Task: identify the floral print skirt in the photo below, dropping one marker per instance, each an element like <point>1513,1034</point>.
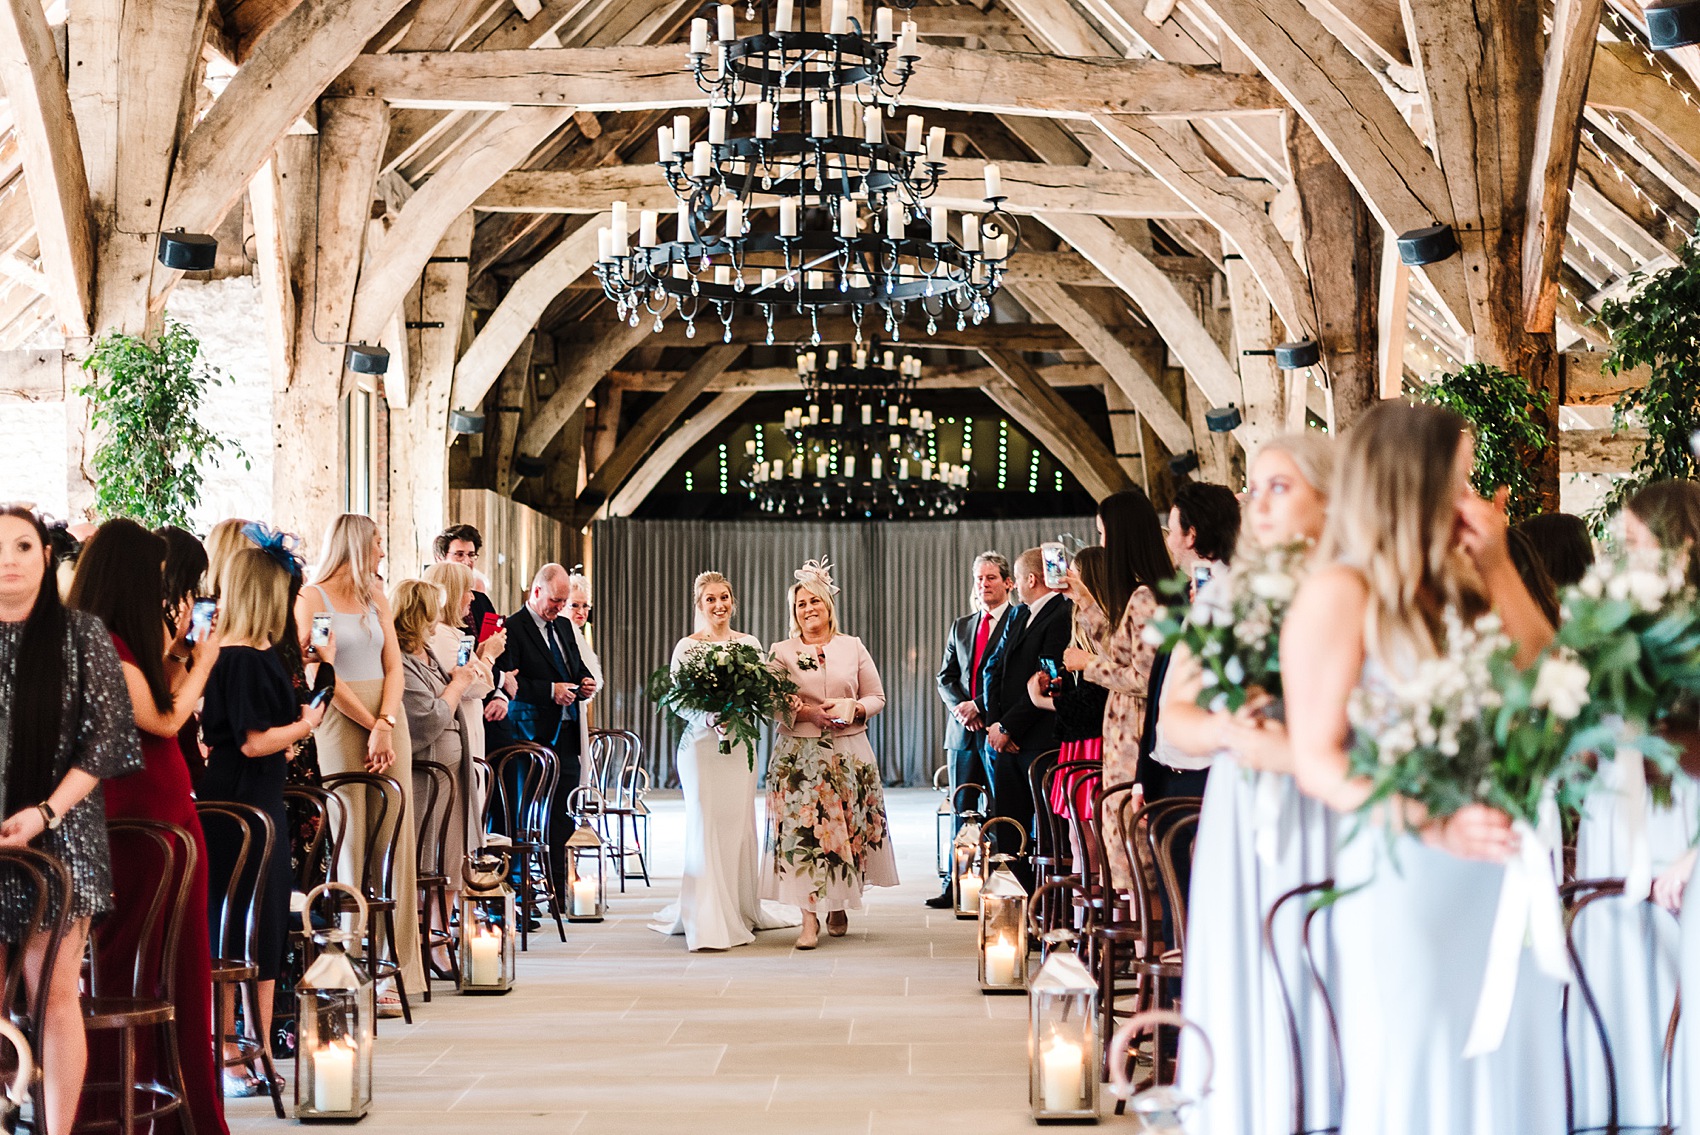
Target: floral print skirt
<point>827,836</point>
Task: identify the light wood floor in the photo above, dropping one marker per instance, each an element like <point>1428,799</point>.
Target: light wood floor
<point>882,1032</point>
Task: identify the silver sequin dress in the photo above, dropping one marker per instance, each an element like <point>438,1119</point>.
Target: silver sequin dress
<point>97,734</point>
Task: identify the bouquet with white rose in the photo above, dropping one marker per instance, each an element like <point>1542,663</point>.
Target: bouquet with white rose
<point>735,685</point>
<point>1233,625</point>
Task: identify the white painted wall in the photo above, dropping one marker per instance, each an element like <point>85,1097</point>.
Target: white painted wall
<point>32,454</point>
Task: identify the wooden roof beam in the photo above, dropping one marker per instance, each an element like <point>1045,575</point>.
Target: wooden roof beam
<point>670,452</point>
<point>767,380</point>
<point>578,379</point>
<point>1042,412</point>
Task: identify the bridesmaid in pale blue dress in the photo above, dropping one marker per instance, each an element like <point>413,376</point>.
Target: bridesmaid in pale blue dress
<point>1406,539</point>
<point>1258,837</point>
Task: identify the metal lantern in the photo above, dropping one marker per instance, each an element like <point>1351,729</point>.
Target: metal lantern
<point>983,856</point>
<point>943,821</point>
<point>965,879</point>
<point>1063,1039</point>
<point>1003,930</point>
<point>488,925</point>
<point>586,898</point>
<point>335,1021</point>
<point>950,816</point>
<point>1160,1109</point>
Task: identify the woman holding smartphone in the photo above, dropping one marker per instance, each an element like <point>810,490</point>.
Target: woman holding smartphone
<point>446,642</point>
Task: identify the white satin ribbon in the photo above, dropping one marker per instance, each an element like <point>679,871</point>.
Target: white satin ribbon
<point>1631,823</point>
<point>1531,914</point>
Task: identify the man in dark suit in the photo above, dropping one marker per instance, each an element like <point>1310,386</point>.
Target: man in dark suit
<point>1020,731</point>
<point>552,683</point>
<point>961,680</point>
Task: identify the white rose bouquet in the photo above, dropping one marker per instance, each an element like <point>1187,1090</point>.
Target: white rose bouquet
<point>1233,626</point>
<point>737,686</point>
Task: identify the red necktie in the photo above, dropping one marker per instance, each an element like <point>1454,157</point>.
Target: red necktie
<point>981,637</point>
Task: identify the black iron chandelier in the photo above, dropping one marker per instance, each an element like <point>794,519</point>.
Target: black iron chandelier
<point>860,447</point>
<point>816,207</point>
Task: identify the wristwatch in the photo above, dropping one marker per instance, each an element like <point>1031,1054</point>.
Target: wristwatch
<point>48,816</point>
<point>387,719</point>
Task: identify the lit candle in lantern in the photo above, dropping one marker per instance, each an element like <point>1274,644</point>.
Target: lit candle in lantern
<point>1063,1068</point>
<point>484,949</point>
<point>970,885</point>
<point>1000,957</point>
<point>764,120</point>
<point>699,37</point>
<point>584,890</point>
<point>333,1076</point>
<point>935,144</point>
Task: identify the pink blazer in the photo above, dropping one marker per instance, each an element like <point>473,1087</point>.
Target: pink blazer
<point>848,673</point>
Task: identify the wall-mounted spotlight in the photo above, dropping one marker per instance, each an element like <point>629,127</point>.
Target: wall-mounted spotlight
<point>187,252</point>
<point>1427,246</point>
<point>1297,356</point>
<point>362,358</point>
<point>1671,26</point>
<point>1223,420</point>
<point>465,422</point>
<point>1184,464</point>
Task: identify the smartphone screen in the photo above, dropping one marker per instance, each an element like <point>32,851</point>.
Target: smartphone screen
<point>201,618</point>
<point>466,644</point>
<point>1056,564</point>
<point>492,623</point>
<point>321,633</point>
<point>1200,575</point>
<point>320,696</point>
<point>1052,668</point>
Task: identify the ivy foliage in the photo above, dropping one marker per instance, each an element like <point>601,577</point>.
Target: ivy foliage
<point>1658,327</point>
<point>144,400</point>
<point>1509,422</point>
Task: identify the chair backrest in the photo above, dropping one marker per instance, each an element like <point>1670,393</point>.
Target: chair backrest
<point>1296,1055</point>
<point>1168,839</point>
<point>603,742</point>
<point>631,782</point>
<point>437,809</point>
<point>153,974</point>
<point>524,780</point>
<point>1044,834</point>
<point>612,752</point>
<point>381,803</point>
<point>1111,800</point>
<point>41,884</point>
<point>236,931</point>
<point>1578,897</point>
<point>318,823</point>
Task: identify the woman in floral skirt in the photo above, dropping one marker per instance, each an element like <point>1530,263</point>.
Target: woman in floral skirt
<point>827,833</point>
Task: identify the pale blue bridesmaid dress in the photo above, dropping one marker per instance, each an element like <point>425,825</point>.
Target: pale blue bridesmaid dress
<point>1687,1068</point>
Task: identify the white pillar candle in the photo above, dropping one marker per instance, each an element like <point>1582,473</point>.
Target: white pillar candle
<point>861,358</point>
<point>702,160</point>
<point>485,950</point>
<point>699,37</point>
<point>941,224</point>
<point>778,469</point>
<point>997,248</point>
<point>882,25</point>
<point>912,138</point>
<point>887,360</point>
<point>906,42</point>
<point>817,120</point>
<point>970,232</point>
<point>891,415</point>
<point>750,447</point>
<point>797,467</point>
<point>1000,955</point>
<point>970,885</point>
<point>787,216</point>
<point>874,467</point>
<point>717,124</point>
<point>769,277</point>
<point>894,219</point>
<point>764,120</point>
<point>814,413</point>
<point>680,271</point>
<point>684,221</point>
<point>782,18</point>
<point>723,274</point>
<point>728,24</point>
<point>817,281</point>
<point>903,469</point>
<point>832,360</point>
<point>820,468</point>
<point>935,144</point>
<point>994,181</point>
<point>333,1077</point>
<point>840,17</point>
<point>847,219</point>
<point>584,890</point>
<point>682,133</point>
<point>849,464</point>
<point>873,129</point>
<point>648,222</point>
<point>895,440</point>
<point>621,218</point>
<point>664,143</point>
<point>734,218</point>
<point>761,474</point>
<point>1062,1073</point>
<point>867,415</point>
<point>604,244</point>
<point>967,454</point>
<point>837,414</point>
<point>927,475</point>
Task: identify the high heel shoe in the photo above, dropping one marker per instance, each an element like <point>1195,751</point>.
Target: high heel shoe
<point>838,923</point>
<point>809,936</point>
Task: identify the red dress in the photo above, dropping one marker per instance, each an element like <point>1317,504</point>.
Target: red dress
<point>161,791</point>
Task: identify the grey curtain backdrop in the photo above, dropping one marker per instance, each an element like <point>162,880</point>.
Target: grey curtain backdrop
<point>900,586</point>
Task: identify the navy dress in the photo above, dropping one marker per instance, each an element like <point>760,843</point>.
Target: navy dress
<point>248,691</point>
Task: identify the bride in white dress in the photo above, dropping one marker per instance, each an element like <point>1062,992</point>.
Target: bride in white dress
<point>719,903</point>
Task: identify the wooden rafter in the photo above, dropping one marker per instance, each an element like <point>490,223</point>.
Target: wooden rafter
<point>671,451</point>
<point>1043,413</point>
<point>578,380</point>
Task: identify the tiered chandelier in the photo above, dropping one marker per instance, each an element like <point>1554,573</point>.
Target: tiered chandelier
<point>860,447</point>
<point>848,221</point>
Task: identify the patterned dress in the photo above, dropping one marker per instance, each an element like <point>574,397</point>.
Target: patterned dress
<point>827,835</point>
<point>1125,670</point>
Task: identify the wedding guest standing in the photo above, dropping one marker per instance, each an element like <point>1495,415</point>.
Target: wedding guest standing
<point>720,902</point>
<point>1258,837</point>
<point>444,644</point>
<point>962,681</point>
<point>65,724</point>
<point>553,684</point>
<point>183,578</point>
<point>1406,540</point>
<point>1136,562</point>
<point>1629,950</point>
<point>1563,545</point>
<point>462,544</point>
<point>578,614</point>
<point>827,834</point>
<point>364,730</point>
<point>1079,704</point>
<point>118,581</point>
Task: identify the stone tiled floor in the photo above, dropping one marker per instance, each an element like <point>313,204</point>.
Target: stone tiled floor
<point>620,1030</point>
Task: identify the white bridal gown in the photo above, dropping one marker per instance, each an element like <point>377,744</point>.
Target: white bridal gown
<point>719,905</point>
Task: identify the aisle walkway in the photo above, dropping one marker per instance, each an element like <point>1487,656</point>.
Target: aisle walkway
<point>621,1030</point>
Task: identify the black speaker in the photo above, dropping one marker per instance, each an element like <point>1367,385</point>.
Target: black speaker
<point>1184,464</point>
<point>528,466</point>
<point>1297,356</point>
<point>465,422</point>
<point>1224,420</point>
<point>363,359</point>
<point>1427,246</point>
<point>187,252</point>
<point>1674,25</point>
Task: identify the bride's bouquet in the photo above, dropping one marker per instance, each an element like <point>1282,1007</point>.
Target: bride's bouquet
<point>1233,626</point>
<point>735,685</point>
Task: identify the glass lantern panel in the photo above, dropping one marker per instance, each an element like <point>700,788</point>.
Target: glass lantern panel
<point>1003,932</point>
<point>1063,1040</point>
<point>488,933</point>
<point>333,1055</point>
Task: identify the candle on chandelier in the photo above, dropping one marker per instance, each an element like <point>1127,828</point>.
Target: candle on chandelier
<point>648,222</point>
<point>941,224</point>
<point>802,366</point>
<point>717,124</point>
<point>820,467</point>
<point>997,247</point>
<point>935,144</point>
<point>750,447</point>
<point>926,470</point>
<point>874,467</point>
<point>699,37</point>
<point>887,360</point>
<point>891,418</point>
<point>906,42</point>
<point>604,244</point>
<point>895,440</point>
<point>903,469</point>
<point>769,277</point>
<point>967,454</point>
<point>764,120</point>
<point>882,26</point>
<point>680,271</point>
<point>867,414</point>
<point>861,358</point>
<point>621,226</point>
<point>702,160</point>
<point>817,281</point>
<point>782,18</point>
<point>728,25</point>
<point>970,233</point>
<point>849,464</point>
<point>681,134</point>
<point>817,120</point>
<point>797,467</point>
<point>894,219</point>
<point>832,360</point>
<point>847,220</point>
<point>788,216</point>
<point>664,143</point>
<point>723,274</point>
<point>994,181</point>
<point>778,470</point>
<point>840,17</point>
<point>734,218</point>
<point>684,222</point>
<point>912,134</point>
<point>814,413</point>
<point>837,414</point>
<point>873,129</point>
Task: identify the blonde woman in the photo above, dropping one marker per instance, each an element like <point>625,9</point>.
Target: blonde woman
<point>827,833</point>
<point>457,581</point>
<point>1407,540</point>
<point>224,540</point>
<point>364,730</point>
<point>578,614</point>
<point>719,903</point>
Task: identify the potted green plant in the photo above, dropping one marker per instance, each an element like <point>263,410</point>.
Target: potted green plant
<point>144,400</point>
<point>1508,419</point>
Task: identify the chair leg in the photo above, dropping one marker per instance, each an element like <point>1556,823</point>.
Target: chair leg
<point>395,958</point>
<point>126,1081</point>
<point>262,1044</point>
<point>449,933</point>
<point>371,945</point>
<point>423,916</point>
<point>527,901</point>
<point>174,1055</point>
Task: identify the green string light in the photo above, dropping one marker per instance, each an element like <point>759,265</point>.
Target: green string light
<point>725,470</point>
<point>1003,454</point>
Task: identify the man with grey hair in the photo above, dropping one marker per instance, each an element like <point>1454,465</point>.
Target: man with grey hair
<point>552,684</point>
<point>962,682</point>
